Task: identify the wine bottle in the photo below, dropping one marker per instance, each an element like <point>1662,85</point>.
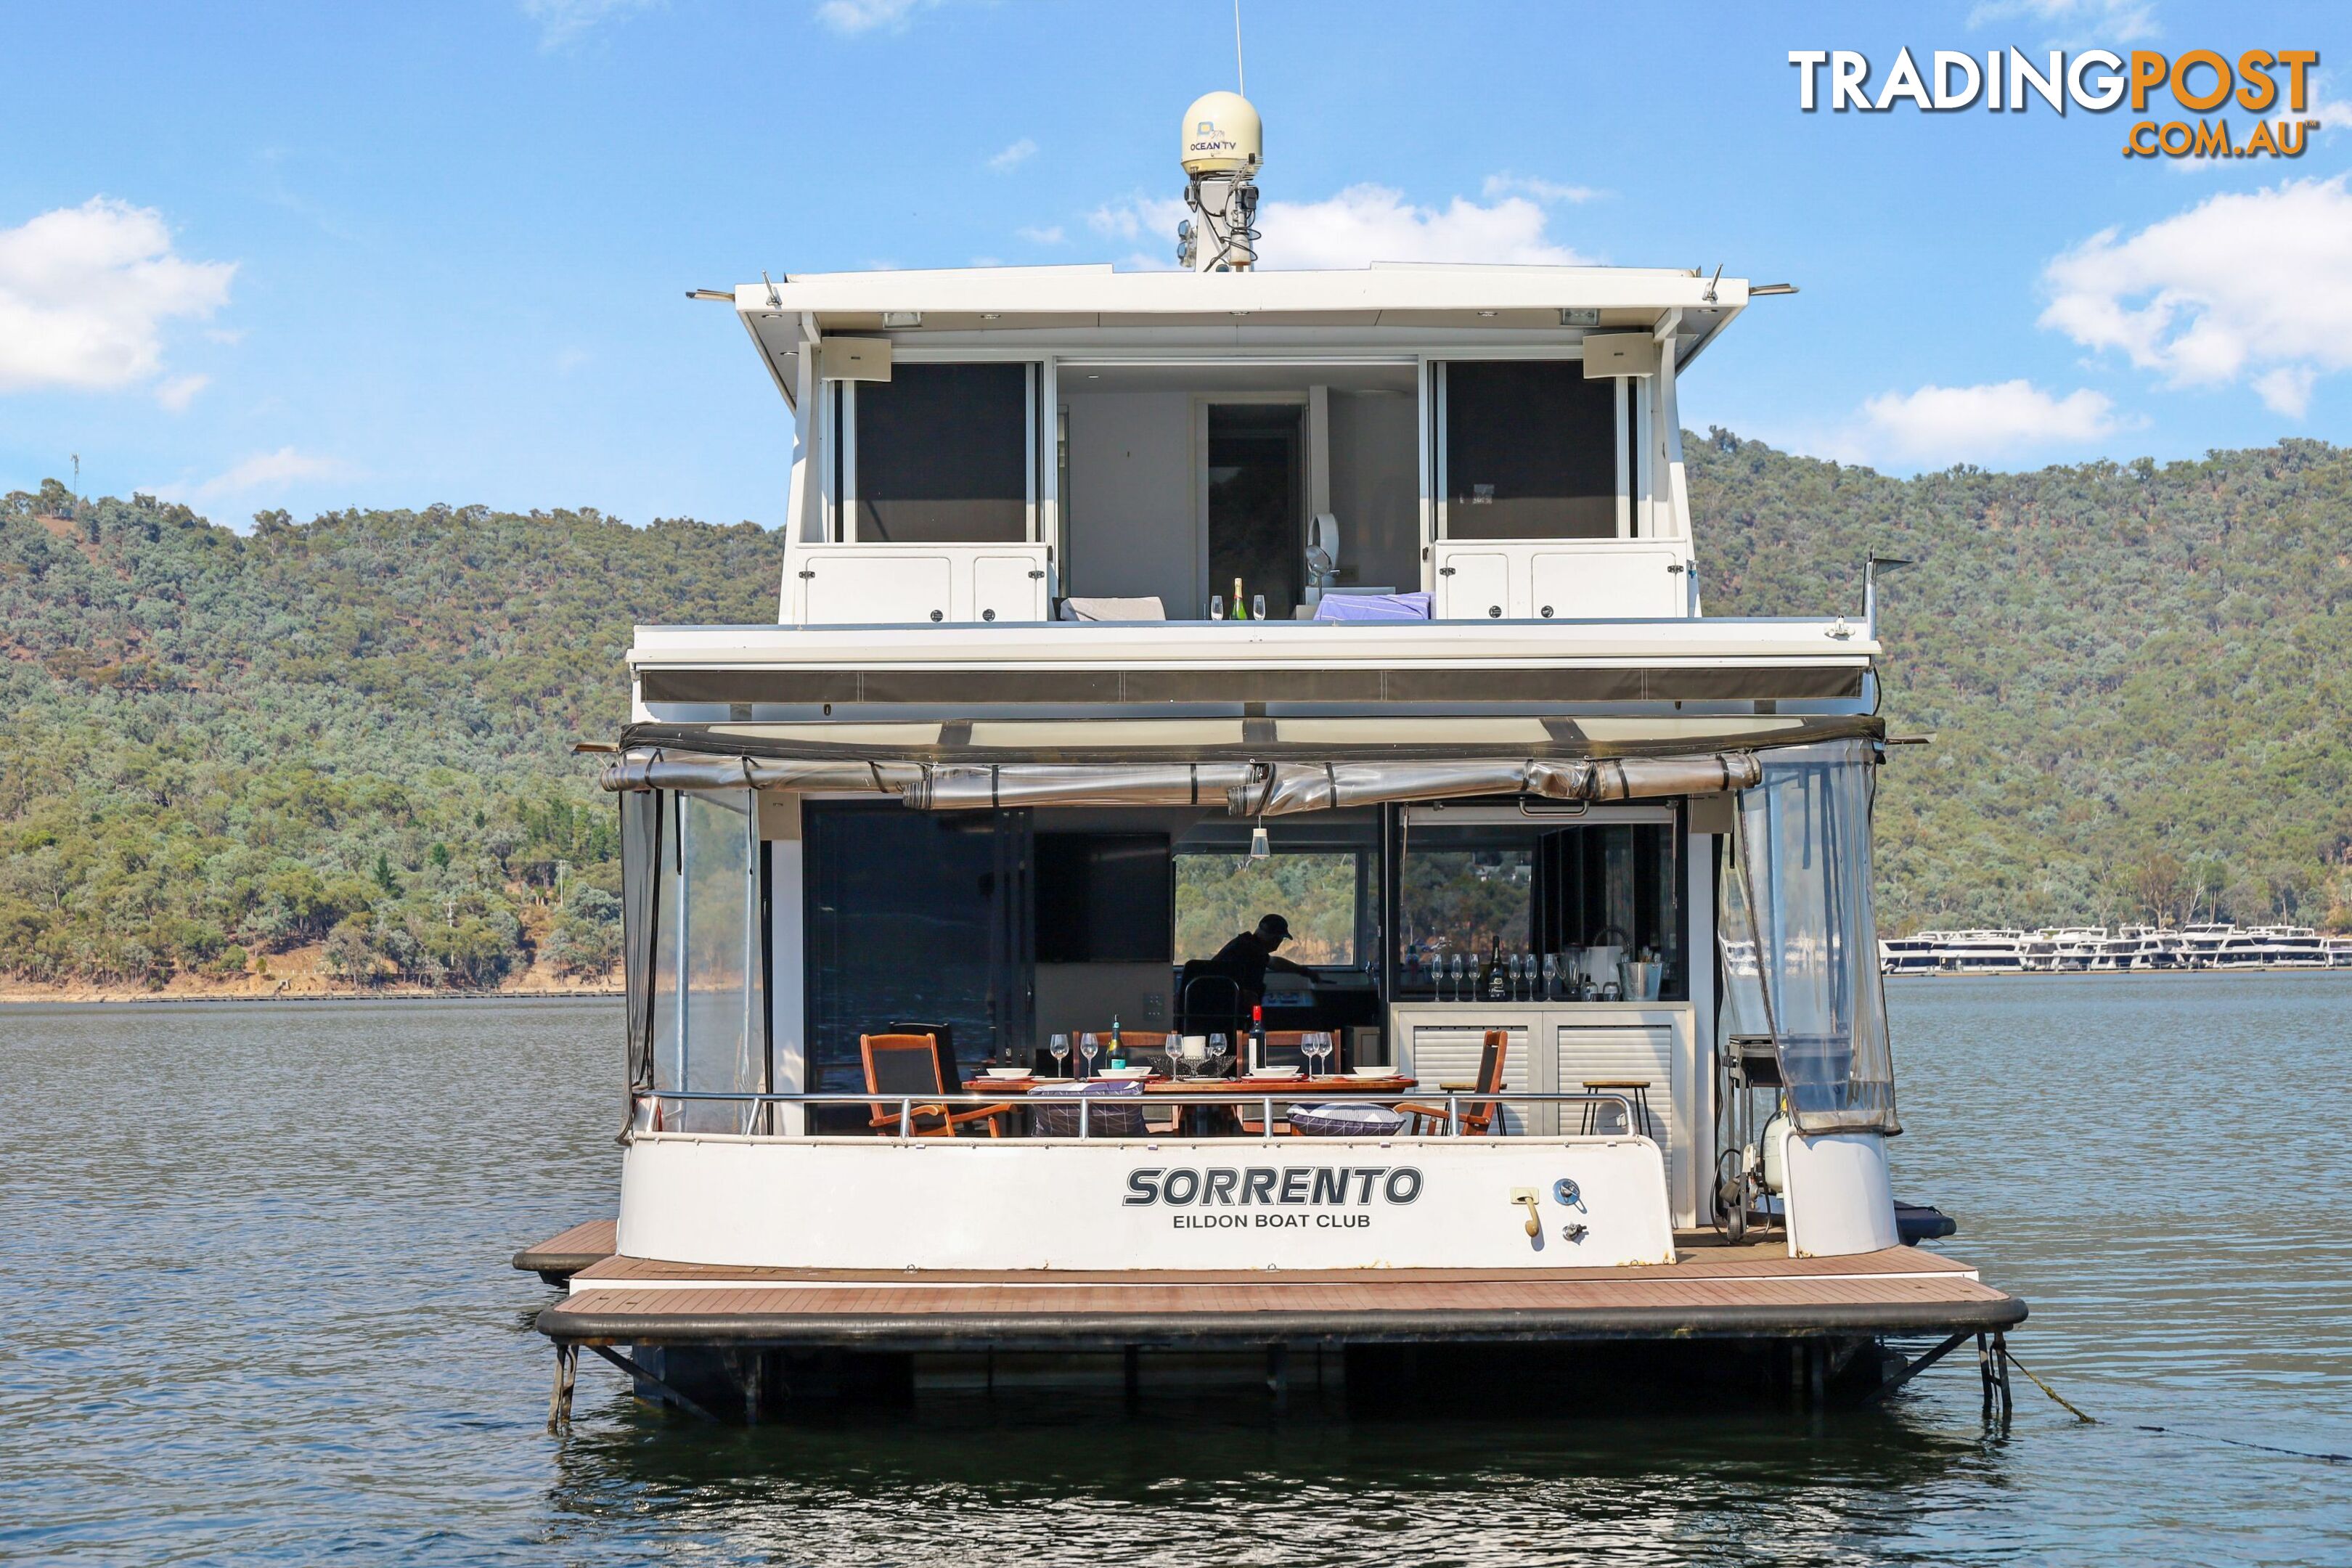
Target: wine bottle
<point>1118,1045</point>
<point>1257,1036</point>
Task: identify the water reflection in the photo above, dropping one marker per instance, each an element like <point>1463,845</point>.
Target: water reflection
<point>1083,1479</point>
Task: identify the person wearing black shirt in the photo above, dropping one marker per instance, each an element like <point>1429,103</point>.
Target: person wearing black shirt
<point>1252,954</point>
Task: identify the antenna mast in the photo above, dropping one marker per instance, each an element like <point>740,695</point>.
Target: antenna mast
<point>1241,80</point>
<point>1223,145</point>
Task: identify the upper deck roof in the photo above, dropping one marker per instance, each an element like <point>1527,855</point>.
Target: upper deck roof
<point>1514,303</point>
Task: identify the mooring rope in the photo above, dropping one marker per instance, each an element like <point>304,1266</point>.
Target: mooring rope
<point>2178,1431</point>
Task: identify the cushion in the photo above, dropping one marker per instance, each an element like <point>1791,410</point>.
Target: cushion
<point>1149,609</point>
<point>1374,607</point>
<point>1346,1120</point>
<point>1049,1120</point>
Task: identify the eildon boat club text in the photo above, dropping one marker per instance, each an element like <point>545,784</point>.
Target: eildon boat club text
<point>2198,81</point>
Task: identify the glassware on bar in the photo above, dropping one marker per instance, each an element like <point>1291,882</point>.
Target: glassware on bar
<point>1060,1047</point>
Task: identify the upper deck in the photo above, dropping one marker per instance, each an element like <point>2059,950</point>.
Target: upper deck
<point>1033,444</point>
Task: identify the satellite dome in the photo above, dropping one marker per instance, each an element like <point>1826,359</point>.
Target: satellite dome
<point>1222,135</point>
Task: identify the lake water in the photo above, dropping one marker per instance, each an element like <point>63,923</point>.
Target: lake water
<point>258,1310</point>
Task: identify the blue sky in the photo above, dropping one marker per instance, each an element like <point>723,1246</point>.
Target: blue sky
<point>316,257</point>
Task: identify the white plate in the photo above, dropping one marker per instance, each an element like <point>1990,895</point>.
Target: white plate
<point>1008,1075</point>
<point>1372,1072</point>
<point>1125,1073</point>
<point>1272,1072</point>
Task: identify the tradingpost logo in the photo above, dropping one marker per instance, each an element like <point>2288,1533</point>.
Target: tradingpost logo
<point>2173,95</point>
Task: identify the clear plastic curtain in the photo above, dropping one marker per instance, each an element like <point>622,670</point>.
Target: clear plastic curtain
<point>1805,874</point>
<point>708,987</point>
<point>641,817</point>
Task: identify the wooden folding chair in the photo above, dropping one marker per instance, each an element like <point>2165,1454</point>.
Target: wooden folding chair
<point>909,1064</point>
<point>1476,1116</point>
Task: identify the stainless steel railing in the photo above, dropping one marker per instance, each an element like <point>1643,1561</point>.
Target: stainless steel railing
<point>1264,1099</point>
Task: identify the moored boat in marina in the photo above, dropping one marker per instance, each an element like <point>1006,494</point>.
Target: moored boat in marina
<point>942,1040</point>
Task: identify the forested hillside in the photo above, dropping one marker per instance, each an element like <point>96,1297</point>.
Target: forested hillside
<point>2138,676</point>
<point>346,740</point>
<point>341,746</point>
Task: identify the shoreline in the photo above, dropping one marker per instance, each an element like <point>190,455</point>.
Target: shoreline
<point>94,996</point>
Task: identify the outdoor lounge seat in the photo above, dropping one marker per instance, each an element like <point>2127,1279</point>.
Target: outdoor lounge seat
<point>901,1065</point>
<point>1476,1116</point>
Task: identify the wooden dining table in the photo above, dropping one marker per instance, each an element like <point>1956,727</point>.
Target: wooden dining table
<point>1203,1121</point>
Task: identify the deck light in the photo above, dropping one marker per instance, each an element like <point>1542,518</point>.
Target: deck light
<point>1259,847</point>
<point>1573,316</point>
<point>902,318</point>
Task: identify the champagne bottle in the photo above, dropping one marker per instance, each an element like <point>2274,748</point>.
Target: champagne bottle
<point>1239,613</point>
<point>1118,1045</point>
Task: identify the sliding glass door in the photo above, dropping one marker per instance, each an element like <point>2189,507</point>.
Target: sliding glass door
<point>914,917</point>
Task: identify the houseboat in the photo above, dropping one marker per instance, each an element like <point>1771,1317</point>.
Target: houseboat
<point>1241,840</point>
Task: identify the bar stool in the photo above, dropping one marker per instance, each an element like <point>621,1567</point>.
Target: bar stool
<point>1636,1089</point>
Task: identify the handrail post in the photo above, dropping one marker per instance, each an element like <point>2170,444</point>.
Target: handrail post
<point>906,1116</point>
<point>1453,1115</point>
<point>1083,1108</point>
<point>1265,1128</point>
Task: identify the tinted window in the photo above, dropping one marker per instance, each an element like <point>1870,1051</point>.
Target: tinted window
<point>941,455</point>
<point>1531,451</point>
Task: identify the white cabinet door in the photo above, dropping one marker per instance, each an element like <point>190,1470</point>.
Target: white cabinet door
<point>1624,1052</point>
<point>1606,582</point>
<point>862,588</point>
<point>1008,588</point>
<point>1473,584</point>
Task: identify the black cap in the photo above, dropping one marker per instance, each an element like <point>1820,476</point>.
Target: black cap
<point>1277,924</point>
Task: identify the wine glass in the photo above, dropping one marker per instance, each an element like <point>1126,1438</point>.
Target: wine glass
<point>1457,977</point>
<point>1216,606</point>
<point>1323,1050</point>
<point>1550,974</point>
<point>1216,1056</point>
<point>1060,1047</point>
<point>1088,1048</point>
<point>1519,991</point>
<point>1257,606</point>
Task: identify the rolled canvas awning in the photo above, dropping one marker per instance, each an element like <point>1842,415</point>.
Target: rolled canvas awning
<point>1243,789</point>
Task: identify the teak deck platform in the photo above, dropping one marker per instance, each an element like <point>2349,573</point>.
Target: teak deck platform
<point>1752,1291</point>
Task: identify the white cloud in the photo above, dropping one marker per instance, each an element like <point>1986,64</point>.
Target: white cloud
<point>1050,235</point>
<point>1529,185</point>
<point>181,390</point>
<point>1012,157</point>
<point>85,291</point>
<point>1373,223</point>
<point>1362,223</point>
<point>854,16</point>
<point>1940,425</point>
<point>266,472</point>
<point>2084,22</point>
<point>562,21</point>
<point>2253,286</point>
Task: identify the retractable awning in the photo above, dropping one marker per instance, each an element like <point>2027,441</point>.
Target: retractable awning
<point>1244,789</point>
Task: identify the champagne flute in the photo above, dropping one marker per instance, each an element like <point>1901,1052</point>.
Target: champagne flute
<point>1060,1047</point>
<point>1458,978</point>
<point>1088,1048</point>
